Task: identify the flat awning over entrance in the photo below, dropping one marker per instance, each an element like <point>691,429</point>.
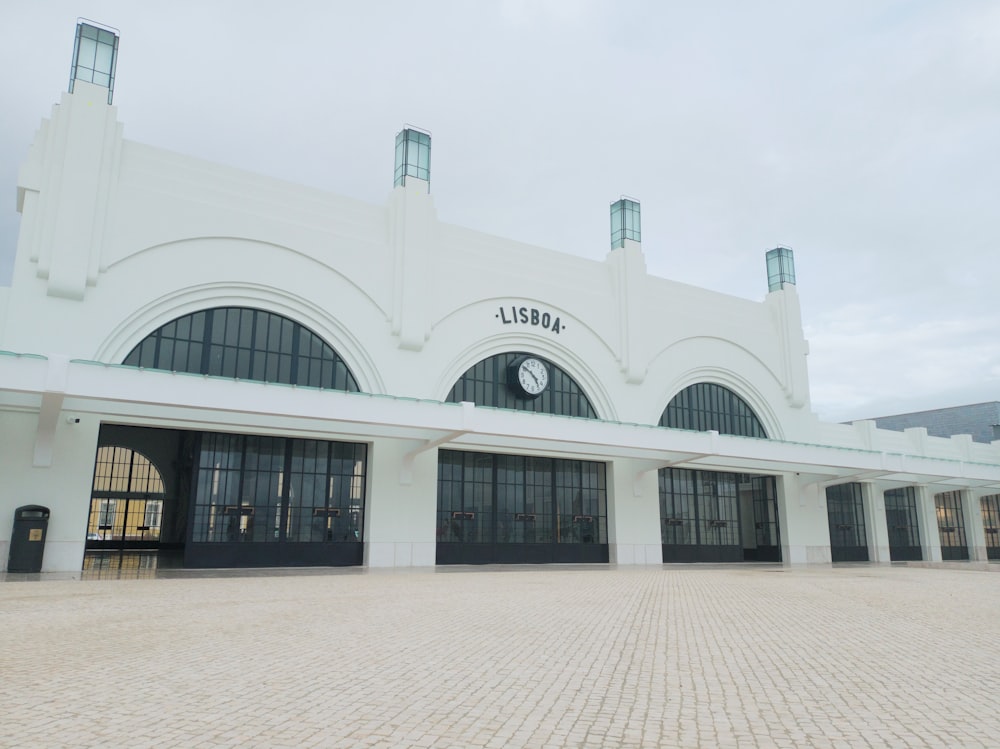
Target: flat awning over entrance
<point>55,387</point>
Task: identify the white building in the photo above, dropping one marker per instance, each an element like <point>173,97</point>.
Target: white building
<point>261,373</point>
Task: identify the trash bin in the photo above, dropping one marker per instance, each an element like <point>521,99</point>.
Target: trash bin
<point>27,541</point>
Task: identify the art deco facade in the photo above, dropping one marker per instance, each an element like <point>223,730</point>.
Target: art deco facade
<point>260,373</point>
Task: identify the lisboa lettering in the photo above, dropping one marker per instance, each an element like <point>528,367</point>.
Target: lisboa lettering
<point>530,316</point>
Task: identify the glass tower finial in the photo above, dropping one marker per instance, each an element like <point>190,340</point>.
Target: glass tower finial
<point>413,156</point>
<point>95,55</point>
<point>625,222</point>
<point>780,268</point>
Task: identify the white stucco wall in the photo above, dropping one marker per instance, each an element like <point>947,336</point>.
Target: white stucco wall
<point>376,282</point>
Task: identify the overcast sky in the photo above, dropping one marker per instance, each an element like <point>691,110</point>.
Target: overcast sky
<point>861,133</point>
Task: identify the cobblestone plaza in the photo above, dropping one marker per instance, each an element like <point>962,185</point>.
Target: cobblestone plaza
<point>713,656</point>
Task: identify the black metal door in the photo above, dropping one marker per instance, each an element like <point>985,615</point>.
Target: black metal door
<point>267,501</point>
<point>846,517</point>
<point>699,516</point>
<point>767,529</point>
<point>903,526</point>
<point>514,509</point>
<point>951,525</point>
<point>990,507</point>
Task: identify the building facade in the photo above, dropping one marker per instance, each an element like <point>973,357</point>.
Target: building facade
<point>979,420</point>
<point>259,373</point>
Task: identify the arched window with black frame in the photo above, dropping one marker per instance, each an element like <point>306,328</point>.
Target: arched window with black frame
<point>524,382</point>
<point>246,344</point>
<point>702,513</point>
<point>707,406</point>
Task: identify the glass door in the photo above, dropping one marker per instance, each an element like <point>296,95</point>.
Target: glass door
<point>126,501</point>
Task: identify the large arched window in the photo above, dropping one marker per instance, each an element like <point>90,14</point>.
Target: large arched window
<point>705,405</point>
<point>248,344</point>
<point>488,384</point>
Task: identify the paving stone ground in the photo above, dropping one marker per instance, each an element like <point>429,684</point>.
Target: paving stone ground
<point>673,656</point>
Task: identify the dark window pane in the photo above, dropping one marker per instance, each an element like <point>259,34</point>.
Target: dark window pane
<point>243,364</point>
<point>246,328</point>
<point>218,326</point>
<point>180,355</point>
<point>167,354</point>
<point>706,406</point>
<point>273,334</point>
<point>148,356</point>
<point>287,328</point>
<point>198,326</point>
<point>244,343</point>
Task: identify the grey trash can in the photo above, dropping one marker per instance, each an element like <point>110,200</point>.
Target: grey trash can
<point>27,541</point>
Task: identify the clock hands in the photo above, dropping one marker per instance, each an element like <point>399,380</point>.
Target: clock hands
<point>531,377</point>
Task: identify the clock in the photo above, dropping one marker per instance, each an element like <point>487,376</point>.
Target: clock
<point>528,376</point>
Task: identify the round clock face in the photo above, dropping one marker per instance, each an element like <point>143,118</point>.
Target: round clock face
<point>532,376</point>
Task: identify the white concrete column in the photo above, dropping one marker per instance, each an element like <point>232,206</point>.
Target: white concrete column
<point>634,513</point>
<point>628,267</point>
<point>794,347</point>
<point>803,522</point>
<point>975,533</point>
<point>930,537</point>
<point>412,231</point>
<point>64,486</point>
<point>402,505</point>
<point>74,177</point>
<point>876,526</point>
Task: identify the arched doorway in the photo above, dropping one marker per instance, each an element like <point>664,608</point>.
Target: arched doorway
<point>713,516</point>
<point>226,499</point>
<point>126,500</point>
<point>515,508</point>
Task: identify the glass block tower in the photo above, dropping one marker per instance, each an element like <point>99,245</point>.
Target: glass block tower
<point>413,156</point>
<point>780,268</point>
<point>625,222</point>
<point>95,55</point>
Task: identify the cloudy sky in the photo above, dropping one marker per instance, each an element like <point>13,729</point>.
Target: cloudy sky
<point>862,133</point>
